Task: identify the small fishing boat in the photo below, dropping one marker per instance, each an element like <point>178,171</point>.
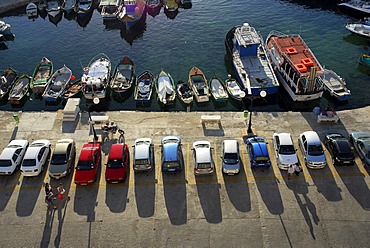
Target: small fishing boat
<point>109,9</point>
<point>335,86</point>
<point>96,76</point>
<point>131,11</point>
<point>123,75</point>
<point>199,85</point>
<point>72,90</point>
<point>218,90</point>
<point>19,89</point>
<point>41,75</point>
<point>144,87</point>
<point>355,7</point>
<point>165,88</point>
<point>364,59</point>
<point>153,7</point>
<point>31,10</point>
<point>360,29</point>
<point>54,7</point>
<point>57,84</point>
<point>184,92</point>
<point>7,80</point>
<point>5,28</point>
<point>234,89</point>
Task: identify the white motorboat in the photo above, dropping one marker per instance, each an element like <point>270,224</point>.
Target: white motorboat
<point>335,85</point>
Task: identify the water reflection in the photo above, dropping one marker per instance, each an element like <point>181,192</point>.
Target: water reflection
<point>55,19</point>
<point>83,18</point>
<point>153,10</point>
<point>134,32</point>
<point>316,4</point>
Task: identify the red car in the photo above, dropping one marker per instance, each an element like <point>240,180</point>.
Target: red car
<point>88,163</point>
<point>118,163</point>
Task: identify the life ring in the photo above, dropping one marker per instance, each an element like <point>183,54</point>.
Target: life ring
<point>291,50</point>
<point>307,62</point>
<point>301,67</point>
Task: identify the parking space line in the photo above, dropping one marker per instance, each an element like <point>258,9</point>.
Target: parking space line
<point>158,166</point>
<point>361,166</point>
<point>187,165</point>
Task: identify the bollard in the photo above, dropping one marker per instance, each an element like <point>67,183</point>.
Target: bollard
<point>16,118</point>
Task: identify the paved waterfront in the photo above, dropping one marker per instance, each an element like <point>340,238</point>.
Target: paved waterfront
<point>257,208</point>
<point>6,5</point>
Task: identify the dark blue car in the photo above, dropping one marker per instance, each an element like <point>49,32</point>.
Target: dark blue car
<point>172,157</point>
<point>258,152</point>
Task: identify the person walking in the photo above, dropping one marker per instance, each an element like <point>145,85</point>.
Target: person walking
<point>48,188</point>
<point>297,169</point>
<point>62,194</point>
<point>290,171</point>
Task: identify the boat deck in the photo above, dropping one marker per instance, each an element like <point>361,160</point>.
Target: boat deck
<point>258,71</point>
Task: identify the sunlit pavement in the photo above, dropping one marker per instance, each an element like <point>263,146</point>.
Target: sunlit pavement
<point>256,208</point>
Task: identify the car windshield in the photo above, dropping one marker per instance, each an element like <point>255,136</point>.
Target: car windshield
<point>261,159</point>
<point>29,162</point>
<point>204,165</point>
<point>5,163</point>
<point>114,163</point>
<point>287,149</point>
<point>141,161</point>
<point>231,158</point>
<point>170,164</point>
<point>85,165</point>
<point>315,150</point>
<point>59,159</point>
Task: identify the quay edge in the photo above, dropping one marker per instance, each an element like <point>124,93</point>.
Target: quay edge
<point>6,5</point>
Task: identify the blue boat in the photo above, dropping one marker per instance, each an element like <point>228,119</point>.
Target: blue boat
<point>251,65</point>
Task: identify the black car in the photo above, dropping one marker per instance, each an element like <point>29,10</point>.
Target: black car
<point>340,149</point>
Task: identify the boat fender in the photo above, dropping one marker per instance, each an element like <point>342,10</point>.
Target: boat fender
<point>307,62</point>
<point>291,50</point>
<point>3,79</point>
<point>301,67</point>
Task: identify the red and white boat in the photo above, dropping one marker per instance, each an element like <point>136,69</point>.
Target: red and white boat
<point>295,65</point>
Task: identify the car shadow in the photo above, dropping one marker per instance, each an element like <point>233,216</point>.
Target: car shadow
<point>85,199</point>
<point>209,197</point>
<point>145,192</point>
<point>237,189</point>
<point>174,188</point>
<point>116,195</point>
<point>7,185</point>
<point>268,189</point>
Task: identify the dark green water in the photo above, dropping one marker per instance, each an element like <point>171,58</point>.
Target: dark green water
<point>195,37</point>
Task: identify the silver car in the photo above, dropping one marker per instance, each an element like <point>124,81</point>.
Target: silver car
<point>61,163</point>
<point>203,162</point>
<point>312,150</point>
<point>230,157</point>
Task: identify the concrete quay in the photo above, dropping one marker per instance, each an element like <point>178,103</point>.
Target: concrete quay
<point>7,5</point>
<point>261,208</point>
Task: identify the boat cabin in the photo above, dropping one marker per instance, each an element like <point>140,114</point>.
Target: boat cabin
<point>247,40</point>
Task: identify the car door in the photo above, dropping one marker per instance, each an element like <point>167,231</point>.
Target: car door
<point>69,156</point>
<point>277,146</point>
<point>361,149</point>
<point>41,156</point>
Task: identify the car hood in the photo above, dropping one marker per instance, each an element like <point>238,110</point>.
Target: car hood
<point>57,169</point>
<point>114,173</point>
<point>316,159</point>
<point>84,176</point>
<point>288,159</point>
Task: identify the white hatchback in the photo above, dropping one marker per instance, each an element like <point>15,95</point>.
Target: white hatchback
<point>35,158</point>
<point>286,153</point>
<point>203,162</point>
<point>12,155</point>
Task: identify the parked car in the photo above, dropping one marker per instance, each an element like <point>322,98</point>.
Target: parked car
<point>361,143</point>
<point>172,157</point>
<point>62,159</point>
<point>258,152</point>
<point>88,164</point>
<point>339,149</point>
<point>203,162</point>
<point>143,155</point>
<point>311,147</point>
<point>12,155</point>
<point>35,158</point>
<point>230,157</point>
<point>118,163</point>
<point>285,151</point>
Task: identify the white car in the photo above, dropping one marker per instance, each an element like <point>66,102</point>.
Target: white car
<point>285,151</point>
<point>203,162</point>
<point>12,155</point>
<point>143,154</point>
<point>35,158</point>
<point>312,150</point>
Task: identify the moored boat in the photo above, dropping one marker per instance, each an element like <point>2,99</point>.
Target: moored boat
<point>360,29</point>
<point>96,76</point>
<point>7,80</point>
<point>218,90</point>
<point>171,8</point>
<point>233,88</point>
<point>131,11</point>
<point>31,10</point>
<point>123,76</point>
<point>83,6</point>
<point>5,28</point>
<point>41,75</point>
<point>199,85</point>
<point>356,8</point>
<point>184,92</point>
<point>296,67</point>
<point>57,84</point>
<point>165,88</point>
<point>251,65</point>
<point>144,87</point>
<point>72,89</point>
<point>109,9</point>
<point>335,86</point>
<point>69,7</point>
<point>19,89</point>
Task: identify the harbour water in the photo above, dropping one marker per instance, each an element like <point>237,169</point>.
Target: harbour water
<point>194,37</point>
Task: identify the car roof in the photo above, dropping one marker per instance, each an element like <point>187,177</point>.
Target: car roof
<point>116,151</point>
<point>312,137</point>
<point>88,150</point>
<point>170,151</point>
<point>7,153</point>
<point>260,148</point>
<point>343,145</point>
<point>142,148</point>
<point>285,139</point>
<point>60,148</point>
<point>32,152</point>
<point>203,151</point>
<point>230,146</point>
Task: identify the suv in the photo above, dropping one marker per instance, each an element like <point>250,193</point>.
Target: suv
<point>12,155</point>
<point>35,158</point>
<point>88,163</point>
<point>118,163</point>
<point>230,157</point>
<point>203,162</point>
<point>284,149</point>
<point>63,156</point>
<point>172,157</point>
<point>258,152</point>
<point>312,151</point>
<point>143,154</point>
<point>340,149</point>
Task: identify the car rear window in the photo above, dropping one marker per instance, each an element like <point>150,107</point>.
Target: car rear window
<point>115,163</point>
<point>204,165</point>
<point>141,161</point>
<point>85,165</point>
<point>59,159</point>
<point>29,162</point>
<point>5,163</point>
<point>231,158</point>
